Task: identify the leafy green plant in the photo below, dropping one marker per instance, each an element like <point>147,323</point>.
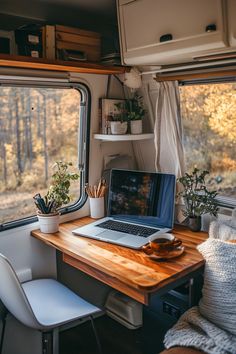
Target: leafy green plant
<point>134,108</point>
<point>121,114</point>
<point>130,109</point>
<point>198,199</point>
<point>58,192</point>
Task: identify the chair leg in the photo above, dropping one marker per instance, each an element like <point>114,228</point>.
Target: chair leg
<point>96,335</point>
<point>55,341</point>
<point>4,320</point>
<point>50,342</point>
<point>47,343</point>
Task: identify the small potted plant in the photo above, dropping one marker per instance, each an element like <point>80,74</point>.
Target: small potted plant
<point>119,120</point>
<point>135,113</point>
<point>57,196</point>
<point>198,199</point>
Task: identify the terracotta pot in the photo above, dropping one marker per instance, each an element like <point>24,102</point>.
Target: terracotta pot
<point>195,223</point>
<point>119,128</point>
<point>49,223</point>
<point>136,126</point>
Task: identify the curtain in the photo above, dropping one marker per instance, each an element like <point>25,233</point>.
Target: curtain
<point>168,133</point>
<point>168,130</point>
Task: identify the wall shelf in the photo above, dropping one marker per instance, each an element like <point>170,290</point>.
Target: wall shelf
<point>58,65</point>
<point>124,137</point>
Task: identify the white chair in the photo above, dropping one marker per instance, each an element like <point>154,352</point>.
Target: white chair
<point>43,304</point>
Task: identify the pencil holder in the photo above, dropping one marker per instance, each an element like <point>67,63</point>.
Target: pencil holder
<point>96,207</point>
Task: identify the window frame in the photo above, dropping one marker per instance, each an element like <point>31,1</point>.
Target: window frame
<point>83,137</point>
<point>222,201</point>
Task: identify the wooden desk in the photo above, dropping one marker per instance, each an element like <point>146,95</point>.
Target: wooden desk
<point>127,270</point>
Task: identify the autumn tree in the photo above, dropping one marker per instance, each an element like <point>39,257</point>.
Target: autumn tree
<point>37,127</point>
<point>209,121</point>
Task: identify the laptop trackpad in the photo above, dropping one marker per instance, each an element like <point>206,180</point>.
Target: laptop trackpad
<point>108,235</point>
<point>88,230</point>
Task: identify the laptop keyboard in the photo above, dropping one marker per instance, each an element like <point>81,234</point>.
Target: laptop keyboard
<point>135,230</point>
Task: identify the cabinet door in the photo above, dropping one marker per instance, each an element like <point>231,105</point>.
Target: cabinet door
<point>144,22</point>
<point>231,10</point>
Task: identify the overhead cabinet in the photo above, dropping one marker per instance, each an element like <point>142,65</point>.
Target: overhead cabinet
<point>170,31</point>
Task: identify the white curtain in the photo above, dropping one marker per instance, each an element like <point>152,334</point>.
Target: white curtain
<point>168,134</point>
<point>168,130</point>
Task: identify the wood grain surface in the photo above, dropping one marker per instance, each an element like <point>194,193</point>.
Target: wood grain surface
<point>14,61</point>
<point>76,38</point>
<point>79,31</point>
<point>129,271</point>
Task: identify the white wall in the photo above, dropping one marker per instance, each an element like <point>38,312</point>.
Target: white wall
<point>98,86</point>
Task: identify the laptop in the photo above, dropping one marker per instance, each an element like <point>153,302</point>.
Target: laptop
<point>140,207</point>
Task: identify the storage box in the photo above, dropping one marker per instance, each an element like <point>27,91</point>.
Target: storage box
<point>7,42</point>
<point>49,42</point>
<point>124,310</point>
<point>29,41</point>
<point>77,44</point>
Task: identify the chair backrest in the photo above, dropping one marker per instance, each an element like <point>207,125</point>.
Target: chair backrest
<point>12,295</point>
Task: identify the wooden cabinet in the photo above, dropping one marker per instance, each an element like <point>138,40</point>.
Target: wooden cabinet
<point>195,26</point>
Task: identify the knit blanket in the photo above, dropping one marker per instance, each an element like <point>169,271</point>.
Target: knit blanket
<point>194,330</point>
<point>211,326</point>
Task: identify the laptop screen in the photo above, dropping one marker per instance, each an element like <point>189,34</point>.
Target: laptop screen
<point>142,197</point>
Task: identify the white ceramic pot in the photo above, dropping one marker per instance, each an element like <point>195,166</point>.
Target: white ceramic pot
<point>119,128</point>
<point>49,223</point>
<point>136,126</point>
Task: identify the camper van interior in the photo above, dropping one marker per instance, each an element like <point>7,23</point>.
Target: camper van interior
<point>117,176</point>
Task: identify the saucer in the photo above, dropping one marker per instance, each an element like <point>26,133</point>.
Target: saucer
<point>171,254</point>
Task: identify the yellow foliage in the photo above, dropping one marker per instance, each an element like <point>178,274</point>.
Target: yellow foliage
<point>209,121</point>
<point>223,164</point>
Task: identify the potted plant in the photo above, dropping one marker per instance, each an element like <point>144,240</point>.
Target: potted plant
<point>119,120</point>
<point>135,113</point>
<point>197,198</point>
<point>57,196</point>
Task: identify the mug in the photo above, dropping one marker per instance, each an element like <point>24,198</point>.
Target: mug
<point>162,244</point>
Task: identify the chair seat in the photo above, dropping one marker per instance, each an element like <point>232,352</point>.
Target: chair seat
<point>53,304</point>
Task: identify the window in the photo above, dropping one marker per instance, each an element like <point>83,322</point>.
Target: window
<point>209,123</point>
<point>38,126</point>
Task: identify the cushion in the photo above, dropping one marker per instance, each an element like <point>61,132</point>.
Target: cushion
<point>211,326</point>
<point>218,303</point>
<point>222,230</point>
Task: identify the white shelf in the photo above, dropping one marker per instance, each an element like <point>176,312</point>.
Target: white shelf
<point>124,137</point>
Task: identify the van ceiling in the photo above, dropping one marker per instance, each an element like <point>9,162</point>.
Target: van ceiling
<point>99,15</point>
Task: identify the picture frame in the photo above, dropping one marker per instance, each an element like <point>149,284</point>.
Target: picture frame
<point>108,109</point>
<point>7,42</point>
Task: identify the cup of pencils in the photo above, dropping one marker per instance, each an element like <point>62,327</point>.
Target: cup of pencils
<point>96,195</point>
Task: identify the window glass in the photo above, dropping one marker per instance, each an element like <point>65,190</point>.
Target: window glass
<point>209,122</point>
<point>38,126</point>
